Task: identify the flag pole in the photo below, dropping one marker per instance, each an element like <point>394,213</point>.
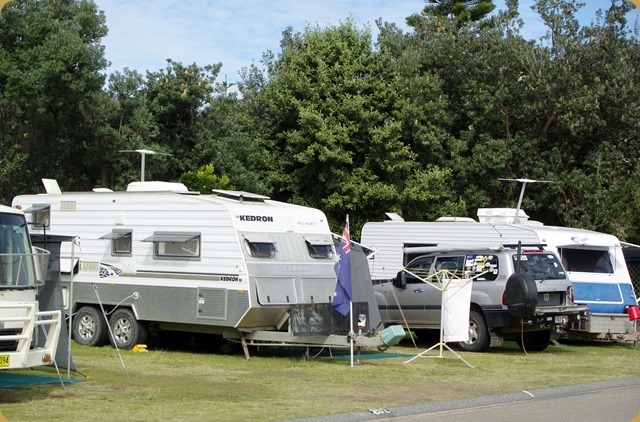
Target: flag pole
<point>351,333</point>
<point>343,293</point>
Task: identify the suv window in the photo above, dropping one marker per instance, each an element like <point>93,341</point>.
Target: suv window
<point>450,264</point>
<point>541,266</point>
<point>479,264</point>
<point>420,267</point>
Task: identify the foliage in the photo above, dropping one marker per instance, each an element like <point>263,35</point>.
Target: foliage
<point>422,123</point>
<point>50,59</point>
<point>461,11</point>
<point>204,180</point>
<point>337,111</point>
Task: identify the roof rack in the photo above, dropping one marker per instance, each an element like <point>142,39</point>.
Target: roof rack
<point>467,248</point>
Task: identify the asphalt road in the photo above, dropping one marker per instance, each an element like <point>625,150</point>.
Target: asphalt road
<point>610,401</point>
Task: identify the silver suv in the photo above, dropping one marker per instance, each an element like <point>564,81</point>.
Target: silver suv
<point>529,300</point>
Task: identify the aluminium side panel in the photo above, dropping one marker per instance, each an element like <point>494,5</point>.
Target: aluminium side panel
<point>291,276</point>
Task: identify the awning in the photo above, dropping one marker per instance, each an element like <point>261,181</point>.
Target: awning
<point>259,238</point>
<point>171,237</point>
<point>318,241</point>
<point>37,208</point>
<point>116,234</point>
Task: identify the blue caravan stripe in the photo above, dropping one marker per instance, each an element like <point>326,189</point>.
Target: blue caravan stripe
<point>604,297</point>
<point>597,293</point>
<point>629,296</point>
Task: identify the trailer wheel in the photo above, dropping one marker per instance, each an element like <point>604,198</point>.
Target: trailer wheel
<point>90,327</point>
<point>127,330</point>
<point>534,341</point>
<point>479,337</point>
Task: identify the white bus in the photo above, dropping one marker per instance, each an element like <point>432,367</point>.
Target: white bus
<point>28,336</point>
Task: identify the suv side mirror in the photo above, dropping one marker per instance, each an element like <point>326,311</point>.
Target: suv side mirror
<point>401,280</point>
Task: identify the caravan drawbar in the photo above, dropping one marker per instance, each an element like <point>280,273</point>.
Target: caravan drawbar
<point>160,258</point>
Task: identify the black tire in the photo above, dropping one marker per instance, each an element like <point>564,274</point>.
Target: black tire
<point>90,327</point>
<point>534,341</point>
<point>479,337</point>
<point>126,329</point>
<point>521,294</point>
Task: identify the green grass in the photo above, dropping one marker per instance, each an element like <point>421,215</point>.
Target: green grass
<point>178,385</point>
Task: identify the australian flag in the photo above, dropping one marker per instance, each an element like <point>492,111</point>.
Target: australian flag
<point>342,296</point>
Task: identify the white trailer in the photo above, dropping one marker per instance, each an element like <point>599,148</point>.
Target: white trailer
<point>159,258</point>
<point>594,261</point>
<point>28,336</point>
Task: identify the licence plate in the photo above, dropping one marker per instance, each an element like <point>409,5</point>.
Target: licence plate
<point>4,361</point>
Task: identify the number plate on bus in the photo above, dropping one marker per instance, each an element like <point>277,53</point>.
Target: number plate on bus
<point>4,360</point>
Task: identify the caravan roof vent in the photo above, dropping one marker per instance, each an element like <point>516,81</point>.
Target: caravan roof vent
<point>394,216</point>
<point>240,196</point>
<point>455,220</point>
<point>501,215</point>
<point>156,187</point>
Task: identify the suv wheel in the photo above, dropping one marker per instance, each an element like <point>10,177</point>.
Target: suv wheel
<point>479,337</point>
<point>534,341</point>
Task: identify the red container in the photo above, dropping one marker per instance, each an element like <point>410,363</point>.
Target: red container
<point>634,313</point>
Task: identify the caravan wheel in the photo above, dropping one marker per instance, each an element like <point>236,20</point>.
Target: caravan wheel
<point>127,330</point>
<point>89,327</point>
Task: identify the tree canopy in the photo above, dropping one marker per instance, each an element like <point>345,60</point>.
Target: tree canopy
<point>423,123</point>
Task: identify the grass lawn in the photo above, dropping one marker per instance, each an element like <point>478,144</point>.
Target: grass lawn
<point>188,384</point>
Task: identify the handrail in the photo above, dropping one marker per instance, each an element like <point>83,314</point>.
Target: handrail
<point>26,353</point>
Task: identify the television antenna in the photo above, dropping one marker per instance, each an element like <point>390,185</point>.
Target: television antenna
<point>143,153</point>
<point>524,185</point>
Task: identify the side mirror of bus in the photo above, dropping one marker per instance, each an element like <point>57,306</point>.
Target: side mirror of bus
<point>40,262</point>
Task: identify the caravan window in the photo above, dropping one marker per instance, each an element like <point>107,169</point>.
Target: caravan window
<point>41,216</point>
<point>260,245</point>
<point>175,245</point>
<point>319,248</point>
<point>262,249</point>
<point>586,260</point>
<point>120,241</point>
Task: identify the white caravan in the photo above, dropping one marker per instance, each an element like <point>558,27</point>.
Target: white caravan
<point>28,336</point>
<point>594,261</point>
<point>159,258</point>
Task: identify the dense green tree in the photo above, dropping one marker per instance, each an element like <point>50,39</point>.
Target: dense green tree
<point>335,109</point>
<point>461,11</point>
<point>130,125</point>
<point>423,123</point>
<point>176,96</point>
<point>50,83</point>
<point>562,109</point>
<point>228,134</point>
<point>204,180</point>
